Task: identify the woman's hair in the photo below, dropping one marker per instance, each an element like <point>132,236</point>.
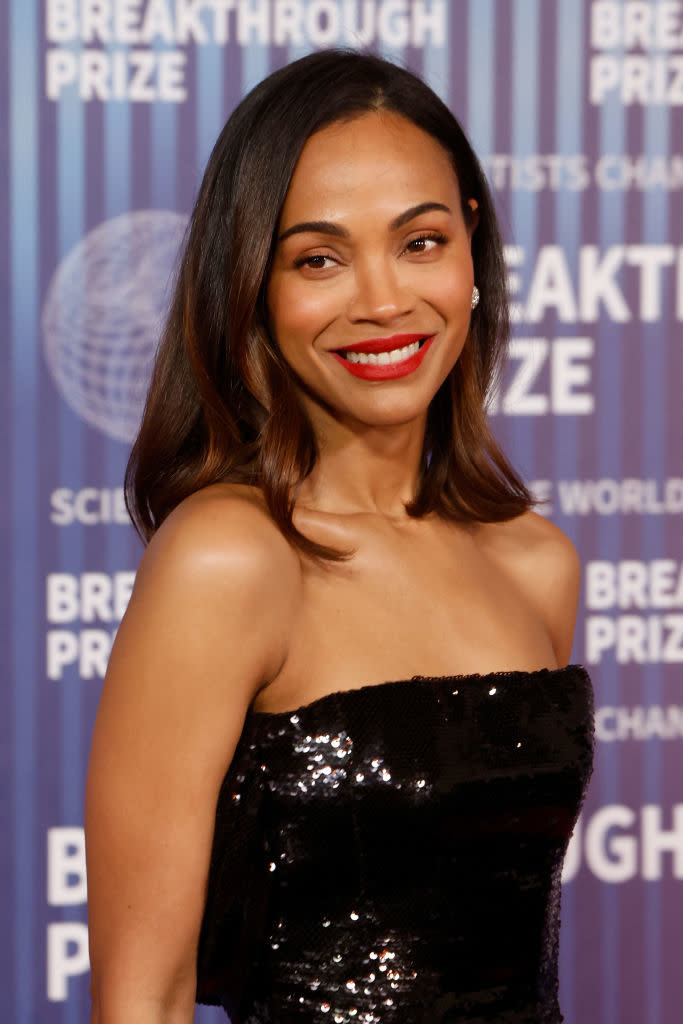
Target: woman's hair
<point>222,404</point>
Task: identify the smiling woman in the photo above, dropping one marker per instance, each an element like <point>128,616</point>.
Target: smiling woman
<point>379,257</point>
<point>238,387</point>
<point>339,752</point>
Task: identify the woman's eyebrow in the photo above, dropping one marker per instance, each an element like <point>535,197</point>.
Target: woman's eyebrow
<point>327,227</point>
<point>320,227</point>
<point>415,211</point>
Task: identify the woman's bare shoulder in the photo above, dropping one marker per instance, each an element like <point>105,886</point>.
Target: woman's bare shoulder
<point>544,564</point>
<point>223,528</point>
<point>532,541</point>
<point>216,566</point>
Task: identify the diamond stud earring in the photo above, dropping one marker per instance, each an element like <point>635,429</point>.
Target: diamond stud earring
<point>475,297</point>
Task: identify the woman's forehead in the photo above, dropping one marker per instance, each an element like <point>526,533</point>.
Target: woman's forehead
<point>371,155</point>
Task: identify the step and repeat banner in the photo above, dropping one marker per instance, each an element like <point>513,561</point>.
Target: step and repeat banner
<point>110,109</point>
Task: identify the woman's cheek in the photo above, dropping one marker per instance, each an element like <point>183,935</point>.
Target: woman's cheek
<point>316,308</point>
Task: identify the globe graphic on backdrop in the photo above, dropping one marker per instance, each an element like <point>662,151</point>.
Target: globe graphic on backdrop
<point>103,314</point>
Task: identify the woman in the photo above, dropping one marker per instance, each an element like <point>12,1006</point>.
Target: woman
<point>339,751</point>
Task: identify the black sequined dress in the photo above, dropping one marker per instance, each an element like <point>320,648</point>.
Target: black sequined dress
<point>393,853</point>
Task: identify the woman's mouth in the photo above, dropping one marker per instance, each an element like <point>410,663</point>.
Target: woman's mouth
<point>394,355</point>
<point>378,360</point>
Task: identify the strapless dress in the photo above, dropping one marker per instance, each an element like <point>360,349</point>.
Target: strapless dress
<point>393,853</point>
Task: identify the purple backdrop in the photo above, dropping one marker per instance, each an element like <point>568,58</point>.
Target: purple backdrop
<point>576,109</point>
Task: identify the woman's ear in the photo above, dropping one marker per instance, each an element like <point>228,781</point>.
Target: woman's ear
<point>473,219</point>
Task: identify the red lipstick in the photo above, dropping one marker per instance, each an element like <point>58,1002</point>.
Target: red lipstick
<point>375,346</point>
<point>384,344</point>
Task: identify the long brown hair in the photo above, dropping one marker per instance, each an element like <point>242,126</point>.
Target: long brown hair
<point>222,404</point>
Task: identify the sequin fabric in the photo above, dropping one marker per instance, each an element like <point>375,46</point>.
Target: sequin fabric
<point>393,853</point>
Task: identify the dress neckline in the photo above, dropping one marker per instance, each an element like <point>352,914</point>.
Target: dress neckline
<point>520,675</point>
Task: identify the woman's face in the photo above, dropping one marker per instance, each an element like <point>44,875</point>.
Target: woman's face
<point>369,295</point>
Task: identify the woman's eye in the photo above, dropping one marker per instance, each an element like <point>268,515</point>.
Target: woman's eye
<point>425,243</point>
<point>318,261</point>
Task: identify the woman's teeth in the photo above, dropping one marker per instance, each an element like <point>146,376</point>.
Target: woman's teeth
<point>396,355</point>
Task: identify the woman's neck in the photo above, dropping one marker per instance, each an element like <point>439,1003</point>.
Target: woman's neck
<point>371,470</point>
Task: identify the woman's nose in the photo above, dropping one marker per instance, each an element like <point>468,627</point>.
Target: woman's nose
<point>378,294</point>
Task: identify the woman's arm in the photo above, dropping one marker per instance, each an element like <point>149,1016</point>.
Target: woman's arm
<point>207,624</point>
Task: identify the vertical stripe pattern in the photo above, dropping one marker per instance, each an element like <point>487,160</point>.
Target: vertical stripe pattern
<point>589,189</point>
